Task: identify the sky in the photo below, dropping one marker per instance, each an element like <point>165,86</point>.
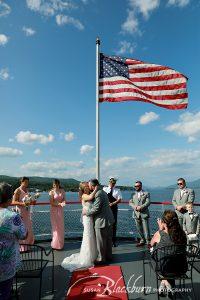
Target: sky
<point>47,90</point>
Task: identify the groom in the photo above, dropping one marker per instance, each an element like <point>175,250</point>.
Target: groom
<point>103,222</point>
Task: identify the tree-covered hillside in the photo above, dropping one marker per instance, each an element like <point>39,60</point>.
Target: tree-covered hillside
<point>42,183</point>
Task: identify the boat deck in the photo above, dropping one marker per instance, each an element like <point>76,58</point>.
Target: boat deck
<point>127,255</point>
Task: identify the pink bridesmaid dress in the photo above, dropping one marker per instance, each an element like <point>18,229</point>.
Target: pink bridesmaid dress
<point>57,221</point>
<point>26,217</point>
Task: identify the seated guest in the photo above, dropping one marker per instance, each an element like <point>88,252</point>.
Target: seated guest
<point>11,230</point>
<point>170,233</point>
<point>191,224</point>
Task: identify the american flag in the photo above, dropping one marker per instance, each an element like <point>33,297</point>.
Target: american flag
<point>123,79</point>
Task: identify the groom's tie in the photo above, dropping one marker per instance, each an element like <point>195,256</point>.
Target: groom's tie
<point>110,196</point>
<point>110,193</point>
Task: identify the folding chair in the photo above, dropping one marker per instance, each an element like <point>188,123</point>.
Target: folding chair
<point>33,262</point>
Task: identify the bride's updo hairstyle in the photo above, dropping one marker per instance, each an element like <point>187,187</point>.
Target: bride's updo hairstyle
<point>83,189</point>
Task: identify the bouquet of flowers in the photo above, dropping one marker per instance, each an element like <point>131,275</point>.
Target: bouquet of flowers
<point>30,199</point>
<point>35,196</point>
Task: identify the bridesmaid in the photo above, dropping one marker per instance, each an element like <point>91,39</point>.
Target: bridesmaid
<point>57,201</point>
<point>18,199</point>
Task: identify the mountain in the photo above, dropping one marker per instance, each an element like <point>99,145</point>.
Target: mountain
<point>194,184</point>
<point>42,183</point>
<point>191,184</point>
<point>70,184</point>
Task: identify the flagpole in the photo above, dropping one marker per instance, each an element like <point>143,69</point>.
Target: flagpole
<point>97,110</point>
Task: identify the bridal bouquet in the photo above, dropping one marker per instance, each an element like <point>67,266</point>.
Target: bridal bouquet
<point>30,199</point>
<point>35,196</point>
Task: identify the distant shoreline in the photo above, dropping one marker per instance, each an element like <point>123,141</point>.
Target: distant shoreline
<point>45,183</point>
<point>72,185</point>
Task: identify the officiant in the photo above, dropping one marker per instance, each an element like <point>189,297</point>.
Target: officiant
<point>115,197</point>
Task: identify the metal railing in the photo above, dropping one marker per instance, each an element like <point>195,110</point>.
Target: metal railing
<point>40,214</point>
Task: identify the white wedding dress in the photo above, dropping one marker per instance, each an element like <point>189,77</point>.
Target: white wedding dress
<point>88,252</point>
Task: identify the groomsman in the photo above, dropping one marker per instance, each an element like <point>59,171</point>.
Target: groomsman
<point>181,196</point>
<point>140,202</point>
<point>191,223</point>
<point>114,196</point>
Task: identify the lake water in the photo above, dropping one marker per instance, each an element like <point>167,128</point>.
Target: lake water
<point>72,214</point>
<point>157,195</point>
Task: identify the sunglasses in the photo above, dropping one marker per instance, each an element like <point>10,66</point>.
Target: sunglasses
<point>180,183</point>
<point>137,186</point>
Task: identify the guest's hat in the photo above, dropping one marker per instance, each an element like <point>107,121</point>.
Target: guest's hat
<point>112,179</point>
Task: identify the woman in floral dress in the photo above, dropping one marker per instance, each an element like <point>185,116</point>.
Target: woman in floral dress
<point>11,230</point>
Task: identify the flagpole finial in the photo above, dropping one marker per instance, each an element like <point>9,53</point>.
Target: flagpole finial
<point>97,41</point>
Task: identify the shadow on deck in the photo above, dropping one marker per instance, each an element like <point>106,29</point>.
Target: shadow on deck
<point>126,255</point>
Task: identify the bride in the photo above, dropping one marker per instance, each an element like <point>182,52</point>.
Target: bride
<point>88,252</point>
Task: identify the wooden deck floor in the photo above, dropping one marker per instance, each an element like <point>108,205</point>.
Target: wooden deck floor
<point>126,255</point>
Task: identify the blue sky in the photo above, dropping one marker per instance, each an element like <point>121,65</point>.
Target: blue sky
<point>47,89</point>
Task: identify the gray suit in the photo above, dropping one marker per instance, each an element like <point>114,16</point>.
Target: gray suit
<point>103,221</point>
<point>141,217</point>
<point>191,225</point>
<point>177,200</point>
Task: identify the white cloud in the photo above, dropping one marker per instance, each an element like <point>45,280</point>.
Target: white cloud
<point>59,169</point>
<point>180,3</point>
<point>172,158</point>
<point>43,166</point>
<point>49,8</point>
<point>125,47</point>
<point>33,4</point>
<point>120,161</point>
<point>26,137</point>
<point>3,39</point>
<point>10,152</point>
<point>28,31</point>
<point>69,137</point>
<point>4,9</point>
<point>187,126</point>
<point>86,149</point>
<point>4,74</point>
<point>148,117</point>
<point>160,167</point>
<point>63,20</point>
<point>191,139</point>
<point>136,7</point>
<point>37,151</point>
<point>144,6</point>
<point>120,167</point>
<point>131,24</point>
